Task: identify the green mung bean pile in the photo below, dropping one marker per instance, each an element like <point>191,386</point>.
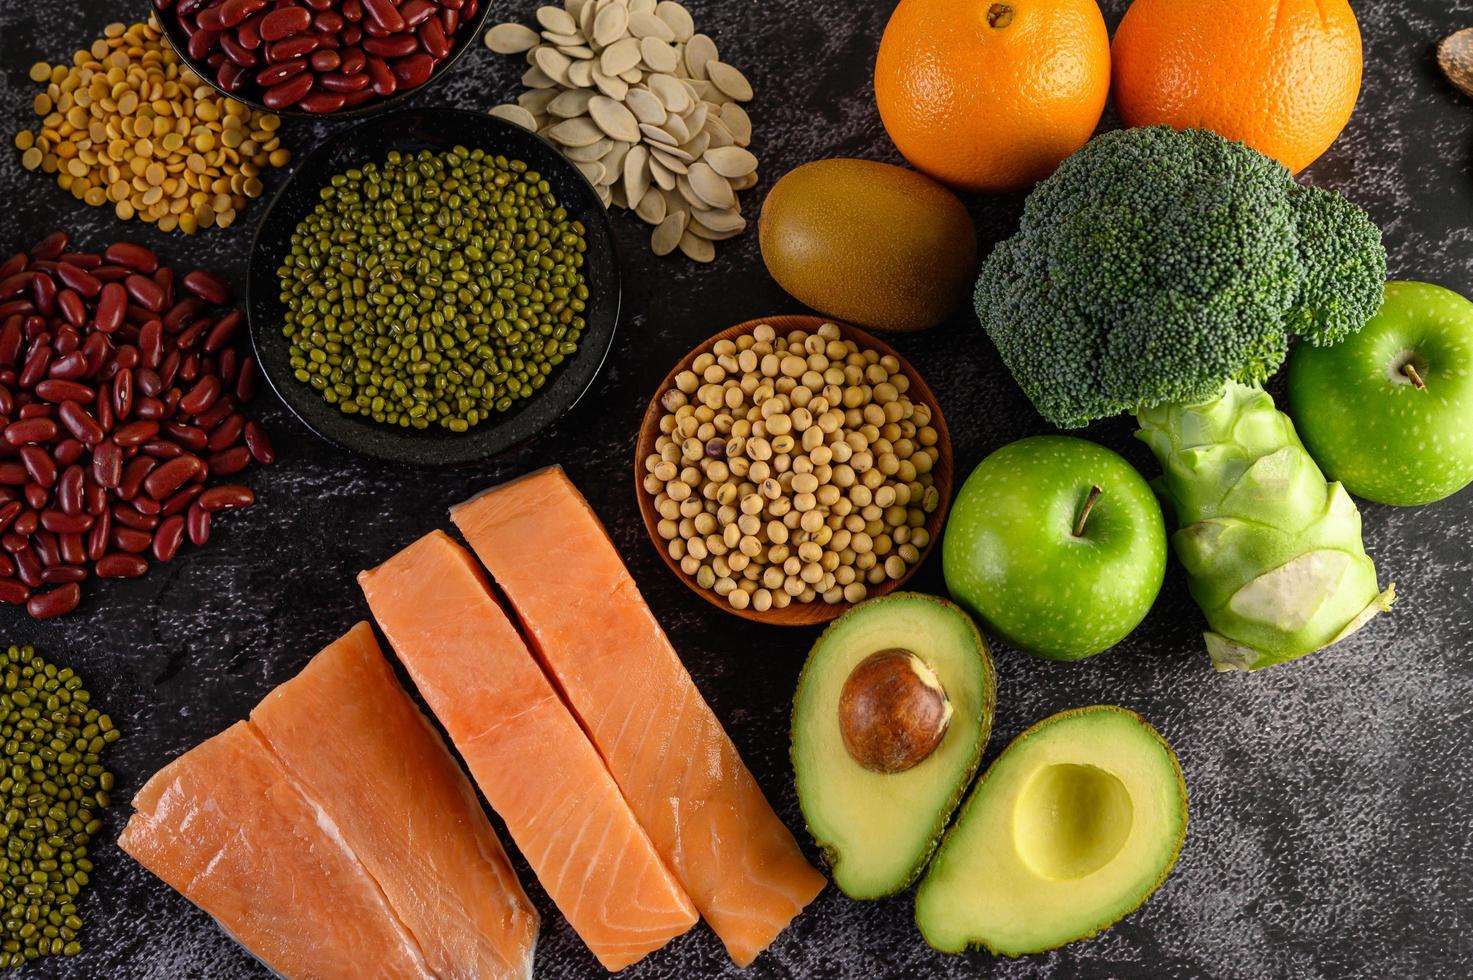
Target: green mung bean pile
<point>54,790</point>
<point>434,288</point>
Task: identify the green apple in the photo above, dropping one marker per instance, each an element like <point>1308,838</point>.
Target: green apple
<point>1057,544</point>
<point>1389,411</point>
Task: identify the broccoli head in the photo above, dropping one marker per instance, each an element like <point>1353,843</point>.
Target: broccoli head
<point>1156,265</point>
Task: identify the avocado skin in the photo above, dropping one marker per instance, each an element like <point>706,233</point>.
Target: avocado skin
<point>988,708</point>
<point>1170,865</point>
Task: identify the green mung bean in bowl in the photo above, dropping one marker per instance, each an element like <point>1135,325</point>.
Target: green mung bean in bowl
<point>433,287</point>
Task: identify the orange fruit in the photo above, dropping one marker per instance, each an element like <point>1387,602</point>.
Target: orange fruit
<point>1279,75</point>
<point>990,96</point>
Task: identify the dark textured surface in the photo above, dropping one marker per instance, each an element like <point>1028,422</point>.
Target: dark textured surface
<point>1332,828</point>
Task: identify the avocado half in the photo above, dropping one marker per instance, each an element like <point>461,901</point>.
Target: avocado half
<point>878,829</point>
<point>1071,829</point>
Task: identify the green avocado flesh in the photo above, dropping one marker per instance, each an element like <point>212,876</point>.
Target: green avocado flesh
<point>877,830</point>
<point>1069,830</point>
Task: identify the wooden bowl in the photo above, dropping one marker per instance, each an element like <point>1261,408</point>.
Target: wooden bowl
<point>807,613</point>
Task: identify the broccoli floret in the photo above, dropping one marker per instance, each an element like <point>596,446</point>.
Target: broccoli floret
<point>1156,265</point>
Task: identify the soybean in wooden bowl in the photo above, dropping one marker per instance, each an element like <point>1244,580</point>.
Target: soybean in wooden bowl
<point>436,130</point>
<point>817,611</point>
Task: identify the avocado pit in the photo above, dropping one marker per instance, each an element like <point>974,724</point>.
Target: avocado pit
<point>893,711</point>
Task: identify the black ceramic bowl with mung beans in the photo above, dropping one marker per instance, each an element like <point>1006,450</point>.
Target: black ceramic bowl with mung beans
<point>400,63</point>
<point>462,346</point>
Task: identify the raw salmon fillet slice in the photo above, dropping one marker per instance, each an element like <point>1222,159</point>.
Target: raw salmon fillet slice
<point>334,836</point>
<point>526,751</point>
<point>346,729</point>
<point>668,752</point>
<point>228,828</point>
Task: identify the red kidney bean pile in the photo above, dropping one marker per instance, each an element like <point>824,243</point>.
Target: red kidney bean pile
<point>319,55</point>
<point>120,397</point>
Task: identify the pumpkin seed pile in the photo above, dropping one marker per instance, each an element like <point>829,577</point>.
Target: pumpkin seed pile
<point>793,468</point>
<point>54,789</point>
<point>644,106</point>
<point>434,289</point>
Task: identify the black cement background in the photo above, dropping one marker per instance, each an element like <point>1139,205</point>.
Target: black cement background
<point>1331,813</point>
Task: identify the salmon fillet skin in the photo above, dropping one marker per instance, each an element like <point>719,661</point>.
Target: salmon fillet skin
<point>680,772</point>
<point>334,836</point>
<point>526,751</point>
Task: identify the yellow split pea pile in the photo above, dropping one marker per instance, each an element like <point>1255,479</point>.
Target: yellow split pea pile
<point>127,124</point>
<point>793,468</point>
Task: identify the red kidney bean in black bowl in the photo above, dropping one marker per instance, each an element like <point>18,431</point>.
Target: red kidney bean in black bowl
<point>320,57</point>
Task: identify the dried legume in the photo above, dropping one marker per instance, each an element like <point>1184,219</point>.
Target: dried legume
<point>793,468</point>
<point>320,55</point>
<point>127,125</point>
<point>54,790</point>
<point>111,392</point>
<point>434,289</point>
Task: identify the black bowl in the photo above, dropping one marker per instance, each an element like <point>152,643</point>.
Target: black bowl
<point>467,33</point>
<point>411,131</point>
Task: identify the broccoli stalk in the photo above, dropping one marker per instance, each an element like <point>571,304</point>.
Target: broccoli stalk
<point>1273,553</point>
<point>1163,273</point>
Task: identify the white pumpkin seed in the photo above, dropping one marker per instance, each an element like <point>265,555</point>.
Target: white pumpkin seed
<point>731,161</point>
<point>648,25</point>
<point>613,118</point>
<point>700,229</point>
<point>697,249</point>
<point>669,90</point>
<point>511,39</point>
<point>581,73</point>
<point>657,135</point>
<point>664,178</point>
<point>669,161</point>
<point>644,105</point>
<point>676,127</point>
<point>589,153</point>
<point>699,51</point>
<point>658,54</point>
<point>729,80</point>
<point>570,104</point>
<point>636,173</point>
<point>536,100</point>
<point>611,85</point>
<point>717,132</point>
<point>668,233</point>
<point>554,63</point>
<point>611,24</point>
<point>556,19</point>
<point>593,170</point>
<point>677,17</point>
<point>710,186</point>
<point>652,207</point>
<point>696,148</point>
<point>576,132</point>
<point>620,56</point>
<point>515,114</point>
<point>725,221</point>
<point>534,77</point>
<point>738,122</point>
